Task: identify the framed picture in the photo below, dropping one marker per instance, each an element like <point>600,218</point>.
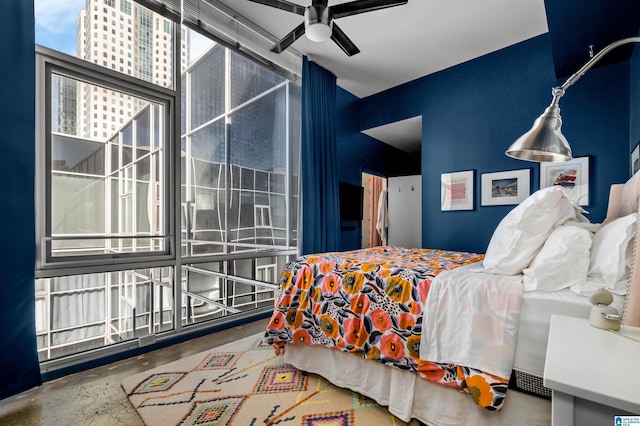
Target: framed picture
<point>510,187</point>
<point>457,191</point>
<point>572,176</point>
<point>635,159</point>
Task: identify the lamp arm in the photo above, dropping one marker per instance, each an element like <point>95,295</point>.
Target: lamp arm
<point>559,91</point>
<point>545,141</point>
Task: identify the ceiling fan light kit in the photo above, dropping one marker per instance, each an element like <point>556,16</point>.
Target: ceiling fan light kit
<point>319,18</point>
<point>318,23</point>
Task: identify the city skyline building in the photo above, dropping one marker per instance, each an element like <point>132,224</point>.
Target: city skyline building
<point>126,37</point>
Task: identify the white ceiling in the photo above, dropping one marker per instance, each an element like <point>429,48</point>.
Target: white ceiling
<point>404,134</point>
<point>403,43</point>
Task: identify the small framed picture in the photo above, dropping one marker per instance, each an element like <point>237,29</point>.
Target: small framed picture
<point>635,159</point>
<point>509,187</point>
<point>457,191</point>
<point>572,176</point>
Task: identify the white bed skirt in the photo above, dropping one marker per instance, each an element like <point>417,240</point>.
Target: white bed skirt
<point>408,396</point>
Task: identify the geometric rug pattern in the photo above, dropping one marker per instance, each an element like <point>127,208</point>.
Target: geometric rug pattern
<point>244,383</point>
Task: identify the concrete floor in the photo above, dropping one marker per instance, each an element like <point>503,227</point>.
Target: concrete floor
<point>94,397</point>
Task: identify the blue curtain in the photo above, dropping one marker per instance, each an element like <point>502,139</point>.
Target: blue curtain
<point>19,367</point>
<point>320,224</point>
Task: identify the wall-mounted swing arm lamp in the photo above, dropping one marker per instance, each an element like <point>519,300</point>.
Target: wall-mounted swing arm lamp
<point>545,141</point>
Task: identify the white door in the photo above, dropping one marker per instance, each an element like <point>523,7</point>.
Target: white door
<point>405,211</point>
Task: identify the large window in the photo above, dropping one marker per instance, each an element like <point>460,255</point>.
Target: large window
<point>106,257</point>
<point>239,191</point>
<point>106,193</point>
<point>162,208</point>
<point>239,155</point>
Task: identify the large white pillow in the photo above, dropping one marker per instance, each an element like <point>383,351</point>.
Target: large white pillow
<point>563,260</point>
<point>611,252</point>
<point>522,232</point>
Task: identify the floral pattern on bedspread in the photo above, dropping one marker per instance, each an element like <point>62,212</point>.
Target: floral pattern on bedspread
<point>370,302</point>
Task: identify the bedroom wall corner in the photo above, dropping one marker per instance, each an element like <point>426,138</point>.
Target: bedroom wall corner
<point>358,152</point>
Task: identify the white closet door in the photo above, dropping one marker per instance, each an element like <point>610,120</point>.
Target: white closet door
<point>405,211</point>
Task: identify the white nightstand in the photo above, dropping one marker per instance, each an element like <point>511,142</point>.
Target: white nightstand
<point>594,374</point>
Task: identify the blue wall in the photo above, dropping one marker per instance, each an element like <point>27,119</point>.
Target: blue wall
<point>19,369</point>
<point>472,112</point>
<point>359,153</point>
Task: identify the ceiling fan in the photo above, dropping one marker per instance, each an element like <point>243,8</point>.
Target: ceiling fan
<point>318,22</point>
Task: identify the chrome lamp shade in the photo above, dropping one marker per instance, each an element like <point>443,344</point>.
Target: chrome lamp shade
<point>544,141</point>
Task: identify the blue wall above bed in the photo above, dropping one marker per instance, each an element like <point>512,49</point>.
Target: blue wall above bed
<point>472,112</point>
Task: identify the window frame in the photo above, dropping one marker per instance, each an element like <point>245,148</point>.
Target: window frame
<point>183,326</point>
<point>50,62</point>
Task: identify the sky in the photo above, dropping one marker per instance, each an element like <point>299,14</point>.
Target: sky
<point>56,27</point>
<point>56,23</point>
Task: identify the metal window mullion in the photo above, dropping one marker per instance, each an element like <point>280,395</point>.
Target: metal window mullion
<point>151,313</point>
<point>287,167</point>
<point>229,287</point>
<point>134,184</point>
<point>151,194</point>
<point>107,307</point>
<point>173,151</point>
<point>49,316</point>
<point>227,149</point>
<point>108,181</point>
<point>43,159</point>
<point>121,176</point>
<point>160,300</point>
<point>190,169</point>
<point>121,296</point>
<point>254,292</point>
<point>134,304</point>
<point>166,181</point>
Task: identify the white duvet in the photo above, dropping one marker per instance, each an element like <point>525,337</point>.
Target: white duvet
<point>471,319</point>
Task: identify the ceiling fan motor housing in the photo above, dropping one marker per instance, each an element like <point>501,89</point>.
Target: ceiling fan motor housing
<point>318,22</point>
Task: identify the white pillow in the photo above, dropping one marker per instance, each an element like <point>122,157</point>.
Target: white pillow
<point>611,252</point>
<point>522,232</point>
<point>562,261</point>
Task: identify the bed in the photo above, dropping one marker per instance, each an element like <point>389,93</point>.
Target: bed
<point>367,319</point>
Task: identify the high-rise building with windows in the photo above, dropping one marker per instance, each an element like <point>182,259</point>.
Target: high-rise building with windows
<point>64,107</point>
<point>128,38</point>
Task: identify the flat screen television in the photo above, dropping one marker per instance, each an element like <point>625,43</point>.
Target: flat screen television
<point>351,198</point>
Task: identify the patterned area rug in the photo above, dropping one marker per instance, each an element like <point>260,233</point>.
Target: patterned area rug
<point>244,383</point>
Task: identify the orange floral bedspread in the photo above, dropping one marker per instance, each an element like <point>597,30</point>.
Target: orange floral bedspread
<point>370,302</point>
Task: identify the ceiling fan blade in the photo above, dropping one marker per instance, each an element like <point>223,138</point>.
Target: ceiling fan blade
<point>283,5</point>
<point>362,6</point>
<point>341,39</point>
<point>288,40</point>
